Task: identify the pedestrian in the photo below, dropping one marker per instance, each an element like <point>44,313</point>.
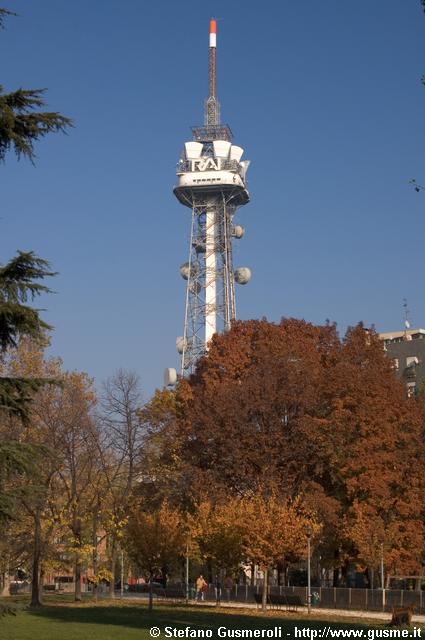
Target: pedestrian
<point>217,587</point>
<point>201,587</point>
<point>228,585</point>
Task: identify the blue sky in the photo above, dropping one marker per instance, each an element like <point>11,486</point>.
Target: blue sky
<point>326,99</point>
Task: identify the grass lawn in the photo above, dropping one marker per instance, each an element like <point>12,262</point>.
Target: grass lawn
<point>109,620</point>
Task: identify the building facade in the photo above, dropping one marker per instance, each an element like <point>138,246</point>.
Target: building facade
<point>406,349</point>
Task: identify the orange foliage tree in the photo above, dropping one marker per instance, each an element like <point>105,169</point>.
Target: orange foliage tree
<point>296,406</point>
<point>156,538</point>
<point>274,529</point>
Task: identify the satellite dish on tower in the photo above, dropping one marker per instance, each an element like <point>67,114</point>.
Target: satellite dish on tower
<point>242,275</point>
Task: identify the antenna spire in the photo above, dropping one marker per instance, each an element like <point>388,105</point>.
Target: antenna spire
<point>212,106</point>
<point>407,321</point>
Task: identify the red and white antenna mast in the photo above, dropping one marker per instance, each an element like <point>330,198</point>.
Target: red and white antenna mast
<point>212,106</point>
<point>212,183</point>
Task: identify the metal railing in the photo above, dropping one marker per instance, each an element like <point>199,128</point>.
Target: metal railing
<point>324,597</point>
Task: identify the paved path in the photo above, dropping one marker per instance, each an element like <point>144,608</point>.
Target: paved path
<point>322,612</point>
<point>315,612</point>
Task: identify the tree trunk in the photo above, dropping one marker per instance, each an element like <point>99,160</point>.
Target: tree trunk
<point>5,585</point>
<point>265,588</point>
<point>5,580</point>
<point>94,555</point>
<point>77,577</point>
<point>112,570</point>
<point>36,557</point>
<point>150,591</point>
<point>252,574</point>
<point>95,583</point>
<point>281,574</point>
<point>371,577</point>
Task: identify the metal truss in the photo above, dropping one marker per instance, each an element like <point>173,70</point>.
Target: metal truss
<point>210,292</point>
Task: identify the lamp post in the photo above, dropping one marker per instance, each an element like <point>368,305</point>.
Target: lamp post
<point>122,575</point>
<point>309,533</point>
<point>382,576</point>
<point>187,573</point>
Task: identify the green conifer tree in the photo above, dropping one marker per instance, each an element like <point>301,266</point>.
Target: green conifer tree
<point>20,124</point>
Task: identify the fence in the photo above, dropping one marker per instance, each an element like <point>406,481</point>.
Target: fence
<point>330,598</point>
<point>322,597</point>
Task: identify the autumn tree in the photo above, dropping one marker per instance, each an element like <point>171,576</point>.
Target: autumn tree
<point>366,530</point>
<point>217,531</point>
<point>121,441</point>
<point>66,414</point>
<point>163,471</point>
<point>156,538</point>
<point>55,500</point>
<point>319,416</point>
<point>32,489</point>
<point>273,530</point>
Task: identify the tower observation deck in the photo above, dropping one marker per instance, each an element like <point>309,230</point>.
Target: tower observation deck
<point>211,182</point>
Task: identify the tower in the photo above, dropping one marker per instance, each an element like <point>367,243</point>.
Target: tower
<point>211,182</point>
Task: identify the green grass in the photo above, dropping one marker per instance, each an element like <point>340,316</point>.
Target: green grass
<point>128,621</point>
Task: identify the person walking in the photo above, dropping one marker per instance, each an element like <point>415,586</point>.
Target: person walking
<point>201,587</point>
<point>217,586</point>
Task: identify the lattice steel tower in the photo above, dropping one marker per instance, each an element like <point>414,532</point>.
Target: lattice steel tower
<point>212,183</point>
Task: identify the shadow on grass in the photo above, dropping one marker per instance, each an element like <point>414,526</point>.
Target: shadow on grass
<point>178,616</point>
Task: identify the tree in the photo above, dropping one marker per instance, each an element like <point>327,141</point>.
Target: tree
<point>366,530</point>
<point>56,501</point>
<point>20,124</point>
<point>216,529</point>
<point>163,470</point>
<point>295,406</point>
<point>156,539</point>
<point>67,415</point>
<point>16,460</point>
<point>18,283</point>
<point>274,529</point>
<point>119,451</point>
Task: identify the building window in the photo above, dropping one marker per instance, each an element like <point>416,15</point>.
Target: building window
<point>411,360</point>
<point>396,364</point>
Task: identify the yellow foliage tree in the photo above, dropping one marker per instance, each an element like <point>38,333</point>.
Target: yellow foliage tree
<point>156,538</point>
<point>274,528</point>
<point>218,533</point>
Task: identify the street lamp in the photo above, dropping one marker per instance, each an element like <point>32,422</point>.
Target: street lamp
<point>309,533</point>
<point>122,575</point>
<point>187,572</point>
<point>382,576</point>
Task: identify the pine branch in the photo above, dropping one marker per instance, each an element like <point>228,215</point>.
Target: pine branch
<point>20,127</point>
<point>3,14</point>
<point>19,459</point>
<point>17,284</point>
<point>17,321</point>
<point>16,395</point>
<point>16,277</point>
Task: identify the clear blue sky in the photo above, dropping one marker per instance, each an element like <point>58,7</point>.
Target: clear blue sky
<point>326,99</point>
